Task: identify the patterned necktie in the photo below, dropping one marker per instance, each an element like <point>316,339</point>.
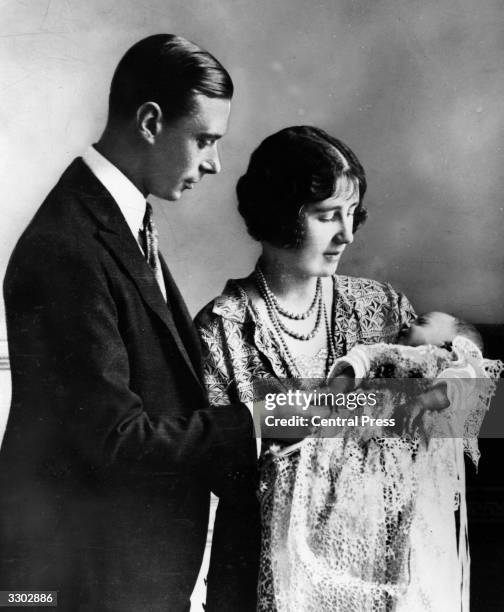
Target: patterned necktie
<point>149,242</point>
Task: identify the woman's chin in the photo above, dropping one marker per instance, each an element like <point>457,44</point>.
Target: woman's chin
<point>322,269</point>
<point>329,268</point>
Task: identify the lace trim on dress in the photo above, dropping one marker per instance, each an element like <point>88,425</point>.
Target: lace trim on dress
<point>313,366</point>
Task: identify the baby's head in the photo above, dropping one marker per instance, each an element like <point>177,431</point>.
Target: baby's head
<point>439,328</point>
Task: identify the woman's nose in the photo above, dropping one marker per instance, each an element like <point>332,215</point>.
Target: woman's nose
<point>345,233</point>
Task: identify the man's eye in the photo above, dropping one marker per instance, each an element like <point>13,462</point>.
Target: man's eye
<point>205,142</point>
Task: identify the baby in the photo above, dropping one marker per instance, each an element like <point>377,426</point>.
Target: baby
<point>440,338</point>
<point>435,348</point>
<point>440,329</point>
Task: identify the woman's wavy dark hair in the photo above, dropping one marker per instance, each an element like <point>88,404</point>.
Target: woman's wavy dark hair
<point>290,169</point>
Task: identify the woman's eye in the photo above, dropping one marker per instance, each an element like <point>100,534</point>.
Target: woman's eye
<point>335,216</point>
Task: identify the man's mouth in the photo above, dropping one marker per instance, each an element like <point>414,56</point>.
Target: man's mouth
<point>189,184</point>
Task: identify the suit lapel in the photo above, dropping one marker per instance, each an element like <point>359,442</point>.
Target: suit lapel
<point>117,237</point>
<point>128,254</point>
<point>182,318</point>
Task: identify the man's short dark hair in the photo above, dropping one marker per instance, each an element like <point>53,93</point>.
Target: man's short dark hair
<point>290,169</point>
<point>170,71</point>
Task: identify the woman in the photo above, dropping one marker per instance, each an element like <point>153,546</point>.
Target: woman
<point>346,547</point>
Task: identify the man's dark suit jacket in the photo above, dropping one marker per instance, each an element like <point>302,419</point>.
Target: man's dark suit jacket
<point>111,448</point>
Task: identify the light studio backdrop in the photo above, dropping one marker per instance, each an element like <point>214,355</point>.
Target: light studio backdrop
<point>415,87</point>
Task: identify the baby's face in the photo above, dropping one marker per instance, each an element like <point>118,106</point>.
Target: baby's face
<point>432,328</point>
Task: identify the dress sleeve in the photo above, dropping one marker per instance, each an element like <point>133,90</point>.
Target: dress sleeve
<point>217,367</point>
<point>406,311</point>
<point>226,364</point>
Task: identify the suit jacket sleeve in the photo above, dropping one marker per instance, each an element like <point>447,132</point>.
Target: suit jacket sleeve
<point>64,333</point>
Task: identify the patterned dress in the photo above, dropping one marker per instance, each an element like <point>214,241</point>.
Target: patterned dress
<point>239,349</point>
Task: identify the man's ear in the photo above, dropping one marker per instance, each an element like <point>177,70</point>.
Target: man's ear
<point>149,119</point>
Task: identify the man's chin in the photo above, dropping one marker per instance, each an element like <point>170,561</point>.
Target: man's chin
<point>172,196</point>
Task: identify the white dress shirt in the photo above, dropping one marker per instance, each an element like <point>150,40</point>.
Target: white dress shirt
<point>129,198</point>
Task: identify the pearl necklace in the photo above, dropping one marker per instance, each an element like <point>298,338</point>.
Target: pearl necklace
<point>331,342</point>
<point>273,311</point>
<point>283,311</point>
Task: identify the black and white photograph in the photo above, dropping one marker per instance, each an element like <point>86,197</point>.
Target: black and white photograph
<point>252,326</point>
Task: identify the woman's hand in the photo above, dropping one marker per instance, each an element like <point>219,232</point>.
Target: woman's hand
<point>416,416</point>
<point>342,383</point>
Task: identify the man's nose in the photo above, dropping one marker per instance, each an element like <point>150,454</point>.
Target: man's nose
<point>212,164</point>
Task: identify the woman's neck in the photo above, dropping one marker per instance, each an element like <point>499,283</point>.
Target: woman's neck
<point>287,283</point>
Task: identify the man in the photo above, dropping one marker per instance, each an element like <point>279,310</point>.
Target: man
<point>111,448</point>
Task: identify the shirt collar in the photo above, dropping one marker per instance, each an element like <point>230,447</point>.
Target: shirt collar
<point>129,199</point>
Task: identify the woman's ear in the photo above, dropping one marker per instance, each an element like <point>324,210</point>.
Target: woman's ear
<point>149,120</point>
